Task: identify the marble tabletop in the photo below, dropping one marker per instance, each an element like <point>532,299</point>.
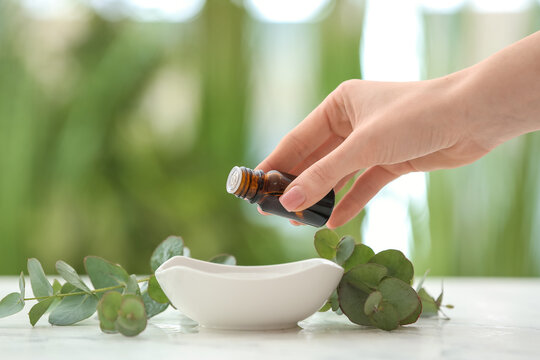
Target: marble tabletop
<point>494,318</point>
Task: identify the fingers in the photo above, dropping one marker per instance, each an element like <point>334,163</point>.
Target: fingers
<point>306,137</point>
<point>344,182</point>
<point>364,188</point>
<point>328,146</point>
<point>317,180</point>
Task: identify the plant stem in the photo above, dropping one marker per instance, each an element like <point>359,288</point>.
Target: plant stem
<point>85,293</point>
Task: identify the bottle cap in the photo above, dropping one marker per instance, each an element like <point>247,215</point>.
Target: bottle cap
<point>234,180</point>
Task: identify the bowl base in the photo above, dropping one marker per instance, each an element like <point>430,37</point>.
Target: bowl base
<point>253,327</point>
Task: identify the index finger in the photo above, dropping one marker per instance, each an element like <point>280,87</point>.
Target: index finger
<point>305,138</point>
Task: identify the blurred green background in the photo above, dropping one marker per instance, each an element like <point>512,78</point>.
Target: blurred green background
<point>120,120</point>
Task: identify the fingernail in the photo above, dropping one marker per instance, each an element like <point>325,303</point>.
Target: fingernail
<point>293,198</point>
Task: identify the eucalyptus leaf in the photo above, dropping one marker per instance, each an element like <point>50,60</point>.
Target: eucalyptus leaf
<point>171,246</point>
<point>413,317</point>
<point>151,306</point>
<point>40,285</point>
<point>386,317</point>
<point>351,302</point>
<point>73,309</point>
<point>22,285</point>
<point>360,255</point>
<point>224,259</point>
<point>155,291</point>
<point>11,304</point>
<point>439,300</point>
<point>56,286</point>
<point>68,288</point>
<point>365,276</point>
<point>131,316</point>
<point>40,308</point>
<point>70,275</point>
<point>132,286</point>
<point>401,295</point>
<point>344,249</point>
<point>326,242</point>
<point>186,252</point>
<point>334,301</point>
<point>104,273</point>
<point>429,306</point>
<point>327,306</point>
<point>397,264</point>
<point>372,302</point>
<point>107,308</point>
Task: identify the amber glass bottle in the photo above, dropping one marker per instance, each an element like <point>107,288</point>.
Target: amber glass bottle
<point>265,190</point>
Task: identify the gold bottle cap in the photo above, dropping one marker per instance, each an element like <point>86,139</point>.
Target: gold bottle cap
<point>234,180</point>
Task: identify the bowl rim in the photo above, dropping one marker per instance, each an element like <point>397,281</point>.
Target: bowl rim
<point>231,272</point>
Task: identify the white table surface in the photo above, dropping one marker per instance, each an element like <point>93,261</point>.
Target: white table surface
<point>492,319</point>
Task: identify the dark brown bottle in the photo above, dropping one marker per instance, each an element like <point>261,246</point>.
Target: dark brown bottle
<point>265,190</point>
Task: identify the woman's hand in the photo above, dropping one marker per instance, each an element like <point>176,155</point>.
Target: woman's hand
<point>391,129</point>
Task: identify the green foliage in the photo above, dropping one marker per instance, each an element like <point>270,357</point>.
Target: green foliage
<point>361,255</point>
<point>375,288</point>
<point>40,285</point>
<point>326,242</point>
<point>151,306</point>
<point>104,273</point>
<point>121,305</point>
<point>155,291</point>
<point>73,309</point>
<point>70,275</point>
<point>11,304</point>
<point>40,308</point>
<point>172,246</point>
<point>107,309</point>
<point>224,259</point>
<point>397,264</point>
<point>344,249</point>
<point>131,315</point>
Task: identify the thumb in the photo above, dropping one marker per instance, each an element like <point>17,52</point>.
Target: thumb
<point>317,180</point>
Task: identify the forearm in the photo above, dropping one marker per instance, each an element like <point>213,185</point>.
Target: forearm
<point>501,95</point>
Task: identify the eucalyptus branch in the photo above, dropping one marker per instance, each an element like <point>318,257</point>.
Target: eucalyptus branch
<point>83,292</point>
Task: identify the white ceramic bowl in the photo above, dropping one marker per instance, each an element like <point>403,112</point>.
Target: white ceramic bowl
<point>248,297</point>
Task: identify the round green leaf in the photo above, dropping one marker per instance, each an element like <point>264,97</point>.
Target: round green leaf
<point>40,308</point>
<point>107,309</point>
<point>413,317</point>
<point>397,264</point>
<point>22,285</point>
<point>224,259</point>
<point>171,246</point>
<point>11,304</point>
<point>131,316</point>
<point>401,295</point>
<point>372,302</point>
<point>104,273</point>
<point>155,291</point>
<point>151,306</point>
<point>73,309</point>
<point>40,285</point>
<point>365,276</point>
<point>386,317</point>
<point>325,243</point>
<point>351,302</point>
<point>57,287</point>
<point>70,275</point>
<point>345,249</point>
<point>360,255</point>
<point>132,286</point>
